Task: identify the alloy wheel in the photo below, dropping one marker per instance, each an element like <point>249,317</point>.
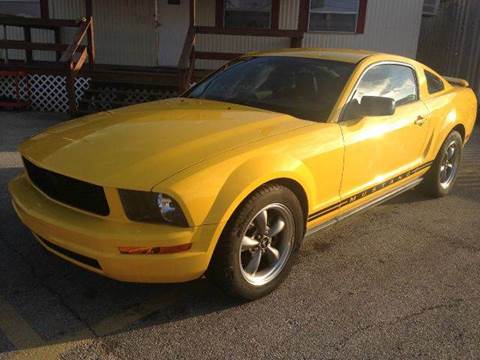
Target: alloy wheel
<point>449,164</point>
<point>266,244</point>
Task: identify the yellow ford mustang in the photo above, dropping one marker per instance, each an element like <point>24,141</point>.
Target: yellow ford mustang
<point>229,178</point>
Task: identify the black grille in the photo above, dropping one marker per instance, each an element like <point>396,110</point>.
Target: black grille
<point>73,192</point>
<point>70,254</point>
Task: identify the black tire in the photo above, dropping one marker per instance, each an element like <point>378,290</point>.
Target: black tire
<point>227,268</point>
<point>433,184</point>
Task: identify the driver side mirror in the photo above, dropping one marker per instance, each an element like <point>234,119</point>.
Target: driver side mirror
<point>377,106</point>
<point>370,106</point>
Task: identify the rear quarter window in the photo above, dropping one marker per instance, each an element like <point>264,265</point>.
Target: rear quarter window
<point>434,83</point>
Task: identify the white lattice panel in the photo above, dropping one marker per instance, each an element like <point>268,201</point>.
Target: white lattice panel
<point>47,92</point>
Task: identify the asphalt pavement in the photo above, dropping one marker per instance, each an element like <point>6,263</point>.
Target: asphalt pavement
<point>401,280</point>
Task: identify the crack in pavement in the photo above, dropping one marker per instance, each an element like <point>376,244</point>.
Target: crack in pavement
<point>452,304</point>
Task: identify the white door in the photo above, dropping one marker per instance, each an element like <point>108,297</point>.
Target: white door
<point>125,32</point>
<point>173,21</point>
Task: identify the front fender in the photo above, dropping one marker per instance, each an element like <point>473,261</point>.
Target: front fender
<point>252,174</point>
<point>210,195</point>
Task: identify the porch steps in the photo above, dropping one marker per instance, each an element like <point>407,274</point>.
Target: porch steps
<point>114,89</point>
<point>103,96</point>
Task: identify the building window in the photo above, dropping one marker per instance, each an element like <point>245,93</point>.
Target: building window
<point>334,15</point>
<point>251,14</point>
<point>20,8</point>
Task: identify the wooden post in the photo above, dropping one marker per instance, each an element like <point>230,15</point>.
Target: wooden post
<point>219,13</point>
<point>88,8</point>
<point>296,41</point>
<point>191,70</point>
<point>192,12</point>
<point>27,35</point>
<point>91,45</point>
<point>275,14</point>
<point>302,25</point>
<point>44,11</point>
<point>58,40</point>
<point>303,14</point>
<point>181,80</point>
<point>70,84</point>
<point>90,34</point>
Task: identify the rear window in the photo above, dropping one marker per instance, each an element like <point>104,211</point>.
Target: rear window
<point>434,83</point>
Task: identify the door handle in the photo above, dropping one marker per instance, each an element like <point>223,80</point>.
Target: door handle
<point>420,120</point>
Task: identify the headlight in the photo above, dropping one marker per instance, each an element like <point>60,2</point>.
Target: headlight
<point>153,207</point>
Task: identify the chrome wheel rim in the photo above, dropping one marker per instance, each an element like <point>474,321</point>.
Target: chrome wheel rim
<point>266,244</point>
<point>449,165</point>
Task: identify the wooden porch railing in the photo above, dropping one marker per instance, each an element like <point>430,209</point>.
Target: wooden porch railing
<point>72,57</point>
<point>76,55</point>
<point>186,64</point>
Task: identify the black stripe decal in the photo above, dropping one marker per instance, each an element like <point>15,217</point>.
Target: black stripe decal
<point>367,192</point>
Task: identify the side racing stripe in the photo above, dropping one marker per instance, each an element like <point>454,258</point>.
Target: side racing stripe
<point>367,192</point>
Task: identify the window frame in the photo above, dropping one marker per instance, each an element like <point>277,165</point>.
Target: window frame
<point>371,66</point>
<point>357,20</point>
<point>273,25</point>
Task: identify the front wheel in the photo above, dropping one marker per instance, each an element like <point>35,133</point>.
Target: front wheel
<point>441,177</point>
<point>256,249</point>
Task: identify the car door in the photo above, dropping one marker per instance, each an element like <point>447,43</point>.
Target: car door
<point>378,148</point>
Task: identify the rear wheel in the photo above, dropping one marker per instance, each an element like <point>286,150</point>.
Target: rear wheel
<point>440,180</point>
<point>255,252</point>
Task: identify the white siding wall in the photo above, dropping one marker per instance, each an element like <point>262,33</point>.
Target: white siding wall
<point>240,44</point>
<point>71,9</point>
<point>234,44</point>
<point>41,36</point>
<point>391,26</point>
<point>12,33</point>
<point>205,13</point>
<point>173,26</point>
<point>16,33</point>
<point>125,32</point>
<point>289,14</point>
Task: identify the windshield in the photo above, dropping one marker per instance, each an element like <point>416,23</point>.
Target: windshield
<point>302,87</point>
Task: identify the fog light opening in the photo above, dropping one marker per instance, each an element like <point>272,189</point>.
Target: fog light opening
<point>135,250</point>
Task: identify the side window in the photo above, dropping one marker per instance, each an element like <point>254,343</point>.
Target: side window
<point>434,83</point>
<point>248,14</point>
<point>397,82</point>
<point>334,16</point>
<point>29,8</point>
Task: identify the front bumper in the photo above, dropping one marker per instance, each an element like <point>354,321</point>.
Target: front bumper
<point>98,238</point>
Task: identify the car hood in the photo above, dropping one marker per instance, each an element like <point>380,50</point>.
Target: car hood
<point>139,146</point>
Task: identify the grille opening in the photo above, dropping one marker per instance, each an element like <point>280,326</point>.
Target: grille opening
<point>67,190</point>
<point>72,255</point>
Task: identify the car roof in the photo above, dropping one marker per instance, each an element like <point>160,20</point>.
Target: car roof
<point>344,55</point>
